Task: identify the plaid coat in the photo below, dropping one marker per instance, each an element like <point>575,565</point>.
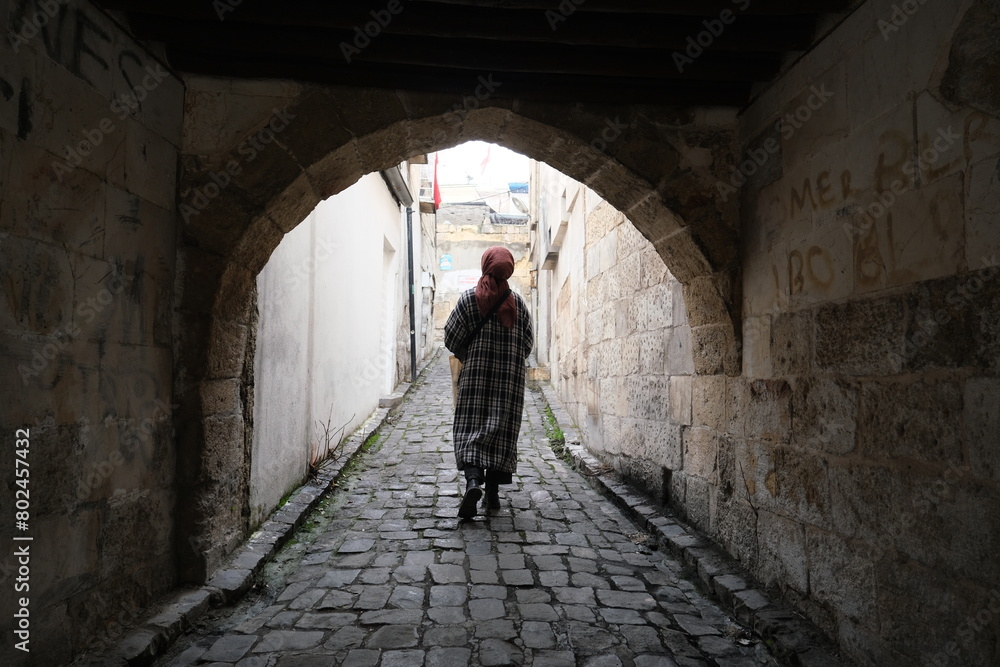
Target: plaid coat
<point>490,386</point>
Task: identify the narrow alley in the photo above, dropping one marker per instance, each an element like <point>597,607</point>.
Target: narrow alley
<point>759,245</point>
<point>385,574</point>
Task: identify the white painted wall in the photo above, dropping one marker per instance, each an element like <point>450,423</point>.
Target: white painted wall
<point>331,301</point>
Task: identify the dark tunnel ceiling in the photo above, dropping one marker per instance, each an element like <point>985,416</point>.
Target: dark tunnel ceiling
<point>546,50</point>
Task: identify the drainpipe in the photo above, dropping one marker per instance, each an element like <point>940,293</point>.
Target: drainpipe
<point>397,186</point>
<point>413,313</point>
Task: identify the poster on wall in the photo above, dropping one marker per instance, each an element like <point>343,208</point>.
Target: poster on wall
<point>446,262</point>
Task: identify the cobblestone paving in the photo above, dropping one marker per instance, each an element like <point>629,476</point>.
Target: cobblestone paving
<point>386,575</point>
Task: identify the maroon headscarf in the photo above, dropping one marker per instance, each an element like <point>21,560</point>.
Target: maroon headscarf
<point>498,266</point>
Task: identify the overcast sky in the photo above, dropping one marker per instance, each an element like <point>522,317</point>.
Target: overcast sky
<point>459,163</point>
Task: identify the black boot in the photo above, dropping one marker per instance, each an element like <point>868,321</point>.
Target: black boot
<point>473,492</point>
<point>492,499</point>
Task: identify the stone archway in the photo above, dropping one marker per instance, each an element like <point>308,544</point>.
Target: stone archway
<point>283,148</point>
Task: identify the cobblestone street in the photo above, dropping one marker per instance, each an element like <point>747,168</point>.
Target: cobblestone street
<point>385,574</point>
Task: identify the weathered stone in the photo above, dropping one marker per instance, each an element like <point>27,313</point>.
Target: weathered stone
<point>982,422</point>
<point>748,603</point>
<point>760,409</point>
<point>982,240</point>
<point>708,402</point>
<point>817,657</point>
<point>555,659</point>
<point>356,546</point>
<point>360,658</point>
<point>140,647</point>
<point>588,639</point>
<point>841,576</point>
<point>792,343</point>
<point>700,499</point>
<point>393,636</point>
<point>796,482</point>
<point>701,452</point>
<point>782,555</point>
<point>392,617</point>
<point>824,415</point>
<point>447,574</point>
<point>654,661</point>
<point>497,653</point>
<point>446,657</point>
<point>403,658</point>
<point>923,416</point>
<point>288,640</point>
<point>230,648</point>
<point>726,585</point>
<point>626,600</point>
<point>327,621</point>
<point>517,577</point>
<point>861,337</point>
<point>232,583</point>
<point>349,637</point>
<point>940,329</point>
<point>481,610</point>
<point>714,350</point>
<point>537,635</point>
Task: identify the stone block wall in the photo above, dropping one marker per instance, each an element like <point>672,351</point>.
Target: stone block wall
<point>617,344</point>
<point>89,132</point>
<point>853,465</point>
<point>858,447</point>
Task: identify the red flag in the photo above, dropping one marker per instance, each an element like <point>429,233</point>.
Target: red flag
<point>437,187</point>
<point>486,160</point>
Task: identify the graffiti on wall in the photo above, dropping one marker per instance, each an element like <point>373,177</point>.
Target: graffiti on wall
<point>866,216</point>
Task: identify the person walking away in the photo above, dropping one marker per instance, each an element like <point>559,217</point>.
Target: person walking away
<point>491,383</point>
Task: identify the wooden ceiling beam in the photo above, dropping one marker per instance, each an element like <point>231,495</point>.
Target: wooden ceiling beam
<point>565,50</point>
<point>672,7</point>
<point>322,47</point>
<point>657,31</point>
<point>509,85</point>
<point>307,11</point>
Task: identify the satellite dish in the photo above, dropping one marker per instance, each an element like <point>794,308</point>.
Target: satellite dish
<point>519,205</point>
